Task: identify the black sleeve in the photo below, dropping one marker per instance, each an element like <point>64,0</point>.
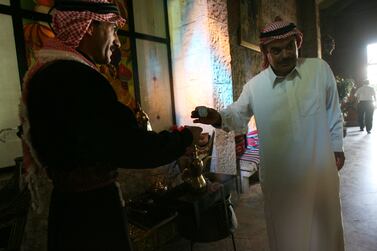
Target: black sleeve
<point>76,120</point>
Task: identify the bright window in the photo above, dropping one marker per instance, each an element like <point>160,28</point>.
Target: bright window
<point>10,147</point>
<point>372,64</point>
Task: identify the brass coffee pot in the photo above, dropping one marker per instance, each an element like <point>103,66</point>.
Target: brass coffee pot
<point>142,118</point>
<point>193,176</point>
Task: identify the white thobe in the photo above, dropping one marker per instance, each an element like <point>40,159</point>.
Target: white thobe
<point>300,127</point>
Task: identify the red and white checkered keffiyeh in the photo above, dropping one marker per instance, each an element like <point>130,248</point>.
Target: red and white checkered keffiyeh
<point>279,30</point>
<point>71,26</point>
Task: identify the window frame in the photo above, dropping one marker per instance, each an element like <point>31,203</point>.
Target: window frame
<point>18,14</point>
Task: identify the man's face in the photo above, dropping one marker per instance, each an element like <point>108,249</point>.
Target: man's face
<point>282,55</point>
<point>105,41</point>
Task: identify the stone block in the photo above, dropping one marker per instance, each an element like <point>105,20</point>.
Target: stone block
<point>183,12</point>
<point>217,10</point>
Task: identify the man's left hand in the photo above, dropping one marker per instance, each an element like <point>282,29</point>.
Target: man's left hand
<point>339,159</point>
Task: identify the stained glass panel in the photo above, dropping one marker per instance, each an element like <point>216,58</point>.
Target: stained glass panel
<point>10,146</point>
<point>149,17</point>
<point>154,81</point>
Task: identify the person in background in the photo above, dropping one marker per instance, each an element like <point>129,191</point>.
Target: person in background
<point>297,113</point>
<point>366,96</point>
<point>329,44</point>
<point>76,130</point>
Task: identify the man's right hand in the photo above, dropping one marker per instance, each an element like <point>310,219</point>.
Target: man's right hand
<point>206,115</point>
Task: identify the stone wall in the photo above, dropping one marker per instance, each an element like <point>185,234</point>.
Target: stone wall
<point>308,23</point>
<point>220,52</point>
<point>205,37</point>
<point>200,56</point>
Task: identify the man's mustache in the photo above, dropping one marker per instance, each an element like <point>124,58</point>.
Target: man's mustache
<point>287,60</point>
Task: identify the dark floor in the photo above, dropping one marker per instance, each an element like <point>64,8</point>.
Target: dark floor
<point>358,195</point>
<point>359,191</point>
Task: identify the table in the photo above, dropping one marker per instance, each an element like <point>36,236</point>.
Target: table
<point>205,217</point>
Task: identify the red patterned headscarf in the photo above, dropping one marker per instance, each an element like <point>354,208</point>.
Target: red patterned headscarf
<point>276,30</point>
<point>70,25</point>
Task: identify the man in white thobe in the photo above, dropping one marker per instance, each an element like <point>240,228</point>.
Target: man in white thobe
<point>296,108</point>
<point>366,96</point>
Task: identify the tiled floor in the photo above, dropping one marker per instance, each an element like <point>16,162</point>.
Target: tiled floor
<point>358,195</point>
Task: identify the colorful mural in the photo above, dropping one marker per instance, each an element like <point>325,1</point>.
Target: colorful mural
<point>120,75</point>
<point>36,32</point>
